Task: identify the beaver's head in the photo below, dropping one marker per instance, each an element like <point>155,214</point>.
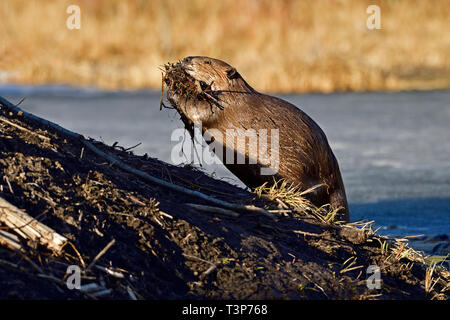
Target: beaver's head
<point>212,73</point>
<point>200,88</point>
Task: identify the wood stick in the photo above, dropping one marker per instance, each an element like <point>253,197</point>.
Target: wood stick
<point>101,293</point>
<point>211,209</point>
<point>9,184</point>
<point>142,174</point>
<point>101,253</point>
<point>10,241</point>
<point>131,294</point>
<point>113,273</point>
<point>24,129</point>
<point>29,228</point>
<point>320,235</point>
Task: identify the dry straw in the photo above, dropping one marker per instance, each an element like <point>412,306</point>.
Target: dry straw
<point>278,46</point>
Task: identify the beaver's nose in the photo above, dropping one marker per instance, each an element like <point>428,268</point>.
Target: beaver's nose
<point>187,59</point>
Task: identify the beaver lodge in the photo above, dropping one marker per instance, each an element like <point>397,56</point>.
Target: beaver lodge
<point>139,228</point>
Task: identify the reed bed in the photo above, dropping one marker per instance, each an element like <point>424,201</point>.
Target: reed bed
<point>278,46</point>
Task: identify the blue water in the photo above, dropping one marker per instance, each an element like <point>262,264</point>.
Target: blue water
<point>429,216</point>
<point>393,148</point>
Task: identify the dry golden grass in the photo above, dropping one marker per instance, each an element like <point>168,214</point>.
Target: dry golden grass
<point>282,46</point>
<point>290,196</point>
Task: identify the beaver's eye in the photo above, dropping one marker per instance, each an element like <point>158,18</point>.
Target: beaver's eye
<point>232,73</point>
<point>203,85</point>
<point>207,62</point>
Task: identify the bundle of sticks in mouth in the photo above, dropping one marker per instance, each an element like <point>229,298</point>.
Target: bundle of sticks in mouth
<point>181,83</point>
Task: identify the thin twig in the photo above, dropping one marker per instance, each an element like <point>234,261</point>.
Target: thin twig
<point>76,251</point>
<point>100,254</point>
<point>9,184</point>
<point>137,145</point>
<point>216,210</point>
<point>24,129</point>
<point>165,214</point>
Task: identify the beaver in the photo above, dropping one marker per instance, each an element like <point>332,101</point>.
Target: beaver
<point>211,92</point>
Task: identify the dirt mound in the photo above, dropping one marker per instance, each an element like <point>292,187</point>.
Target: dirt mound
<point>164,248</point>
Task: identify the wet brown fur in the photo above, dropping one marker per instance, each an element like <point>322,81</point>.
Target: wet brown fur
<point>305,157</point>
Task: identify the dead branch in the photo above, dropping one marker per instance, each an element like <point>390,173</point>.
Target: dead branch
<point>29,228</point>
<point>101,253</point>
<point>24,129</point>
<point>216,210</point>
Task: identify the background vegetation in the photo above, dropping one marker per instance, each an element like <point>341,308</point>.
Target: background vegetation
<point>283,46</point>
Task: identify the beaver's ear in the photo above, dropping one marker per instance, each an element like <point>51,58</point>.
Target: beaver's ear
<point>232,73</point>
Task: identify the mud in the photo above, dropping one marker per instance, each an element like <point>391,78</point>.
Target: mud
<point>168,250</point>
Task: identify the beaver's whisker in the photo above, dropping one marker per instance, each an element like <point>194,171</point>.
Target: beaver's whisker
<point>215,100</point>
